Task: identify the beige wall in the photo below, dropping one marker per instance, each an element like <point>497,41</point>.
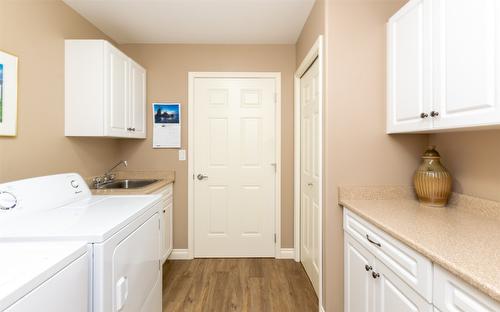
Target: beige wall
<point>35,32</point>
<point>473,160</point>
<point>168,67</point>
<point>358,152</point>
<point>314,26</point>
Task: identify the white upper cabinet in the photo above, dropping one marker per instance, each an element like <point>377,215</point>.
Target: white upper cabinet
<point>117,78</point>
<point>409,92</point>
<point>443,66</point>
<point>466,63</point>
<point>105,91</point>
<point>137,118</point>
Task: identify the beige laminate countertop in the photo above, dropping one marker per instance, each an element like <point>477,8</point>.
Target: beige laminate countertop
<point>164,178</point>
<point>463,238</point>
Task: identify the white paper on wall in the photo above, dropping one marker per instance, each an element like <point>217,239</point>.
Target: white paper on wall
<point>166,125</point>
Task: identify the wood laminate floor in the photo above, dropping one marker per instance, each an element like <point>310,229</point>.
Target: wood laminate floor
<point>221,285</point>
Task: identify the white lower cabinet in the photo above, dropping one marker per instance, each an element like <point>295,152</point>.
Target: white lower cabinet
<point>372,286</point>
<point>166,221</point>
<point>358,282</point>
<point>453,295</point>
<point>376,279</point>
<point>392,294</point>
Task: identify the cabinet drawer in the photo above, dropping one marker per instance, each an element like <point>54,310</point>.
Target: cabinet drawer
<point>410,266</point>
<point>451,294</point>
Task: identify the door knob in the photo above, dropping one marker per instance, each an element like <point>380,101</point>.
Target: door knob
<point>201,177</point>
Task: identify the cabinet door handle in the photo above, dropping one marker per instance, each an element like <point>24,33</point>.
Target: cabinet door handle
<point>368,267</point>
<point>372,241</point>
<point>434,114</point>
<point>424,115</point>
<point>375,275</point>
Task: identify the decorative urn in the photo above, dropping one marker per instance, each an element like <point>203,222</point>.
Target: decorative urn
<point>432,180</point>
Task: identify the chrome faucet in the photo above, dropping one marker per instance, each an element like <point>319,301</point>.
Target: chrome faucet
<point>108,176</point>
<point>124,162</point>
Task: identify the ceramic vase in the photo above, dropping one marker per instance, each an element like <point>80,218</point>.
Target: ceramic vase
<point>432,180</point>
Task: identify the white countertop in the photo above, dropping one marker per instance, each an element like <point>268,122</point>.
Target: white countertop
<point>26,265</point>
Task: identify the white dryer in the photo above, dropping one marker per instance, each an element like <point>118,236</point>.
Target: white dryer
<point>44,276</point>
<point>122,235</point>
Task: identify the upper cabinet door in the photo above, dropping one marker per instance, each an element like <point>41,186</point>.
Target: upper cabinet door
<point>137,101</point>
<point>409,69</point>
<point>466,62</point>
<point>118,92</point>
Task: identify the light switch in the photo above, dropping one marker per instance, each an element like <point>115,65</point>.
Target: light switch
<point>182,154</point>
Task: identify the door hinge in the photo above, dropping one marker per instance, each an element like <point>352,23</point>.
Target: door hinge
<point>275,238</point>
<point>159,265</point>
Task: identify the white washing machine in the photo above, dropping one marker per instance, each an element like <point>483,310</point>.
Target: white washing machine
<point>44,276</point>
<point>121,232</point>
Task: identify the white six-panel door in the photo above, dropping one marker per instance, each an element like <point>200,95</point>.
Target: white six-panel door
<point>234,167</point>
<point>309,178</point>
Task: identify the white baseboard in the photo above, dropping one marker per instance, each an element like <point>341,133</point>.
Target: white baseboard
<point>179,254</point>
<point>321,309</point>
<point>183,254</point>
<point>286,253</point>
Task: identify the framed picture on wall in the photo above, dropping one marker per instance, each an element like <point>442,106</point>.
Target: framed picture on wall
<point>8,94</point>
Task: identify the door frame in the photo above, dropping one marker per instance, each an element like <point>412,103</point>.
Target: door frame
<point>315,53</point>
<point>191,125</point>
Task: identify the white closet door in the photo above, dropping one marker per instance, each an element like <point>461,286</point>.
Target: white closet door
<point>234,166</point>
<point>309,177</point>
<point>409,85</point>
<point>466,62</point>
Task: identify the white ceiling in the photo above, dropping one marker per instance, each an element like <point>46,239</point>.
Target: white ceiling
<point>197,21</point>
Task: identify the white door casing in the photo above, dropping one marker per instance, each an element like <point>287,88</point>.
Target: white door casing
<point>315,54</point>
<point>309,173</point>
<point>234,152</point>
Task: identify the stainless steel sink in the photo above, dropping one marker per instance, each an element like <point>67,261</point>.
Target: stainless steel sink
<point>128,184</point>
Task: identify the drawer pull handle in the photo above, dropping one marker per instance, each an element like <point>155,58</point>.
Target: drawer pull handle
<point>368,267</point>
<point>372,241</point>
<point>375,275</point>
